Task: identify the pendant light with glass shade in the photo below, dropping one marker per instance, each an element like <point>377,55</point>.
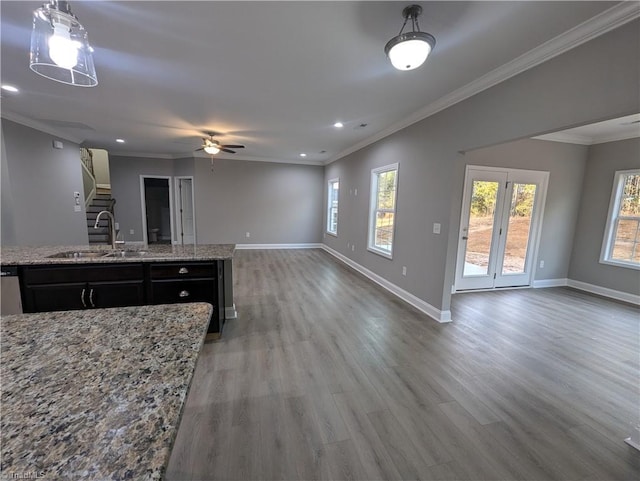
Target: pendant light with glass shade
<point>407,51</point>
<point>60,47</point>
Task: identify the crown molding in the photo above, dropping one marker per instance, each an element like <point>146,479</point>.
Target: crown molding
<point>151,155</point>
<point>602,23</point>
<point>40,126</point>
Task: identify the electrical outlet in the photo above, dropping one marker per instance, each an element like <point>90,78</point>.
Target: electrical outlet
<point>541,264</point>
<point>131,231</point>
<point>436,228</point>
<point>355,191</point>
<point>404,270</point>
<point>117,225</point>
<point>353,247</point>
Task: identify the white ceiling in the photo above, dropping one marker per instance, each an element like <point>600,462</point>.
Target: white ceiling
<point>275,76</point>
<point>607,131</point>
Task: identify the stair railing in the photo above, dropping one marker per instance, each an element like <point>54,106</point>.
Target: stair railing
<point>88,179</point>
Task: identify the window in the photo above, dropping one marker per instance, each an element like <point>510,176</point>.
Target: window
<point>382,216</point>
<point>621,244</point>
<point>332,207</point>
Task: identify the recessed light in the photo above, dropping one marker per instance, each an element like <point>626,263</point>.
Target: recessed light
<point>9,88</point>
<point>338,125</point>
<point>303,154</point>
<point>120,141</point>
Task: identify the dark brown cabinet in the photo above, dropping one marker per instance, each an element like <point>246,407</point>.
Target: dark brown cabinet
<point>69,287</point>
<point>174,282</point>
<point>61,287</point>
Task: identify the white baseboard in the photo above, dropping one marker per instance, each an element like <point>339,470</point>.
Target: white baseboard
<point>230,312</point>
<point>279,246</point>
<point>604,291</point>
<point>422,306</point>
<point>550,283</point>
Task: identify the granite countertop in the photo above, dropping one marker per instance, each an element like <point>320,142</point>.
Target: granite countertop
<point>96,394</point>
<point>15,256</point>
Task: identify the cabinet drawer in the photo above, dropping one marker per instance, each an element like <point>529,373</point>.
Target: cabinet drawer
<point>183,270</point>
<point>86,273</point>
<point>169,292</point>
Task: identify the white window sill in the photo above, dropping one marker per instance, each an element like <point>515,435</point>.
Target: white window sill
<point>628,265</point>
<point>334,234</point>
<point>380,252</point>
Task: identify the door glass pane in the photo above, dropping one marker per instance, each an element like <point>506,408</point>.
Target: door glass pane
<point>480,232</point>
<point>521,209</point>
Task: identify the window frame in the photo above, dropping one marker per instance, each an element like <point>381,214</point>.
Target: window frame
<point>373,196</point>
<point>608,241</point>
<point>330,183</point>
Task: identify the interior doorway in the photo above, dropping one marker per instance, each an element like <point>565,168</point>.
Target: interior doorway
<point>185,211</point>
<point>157,217</point>
<point>499,227</point>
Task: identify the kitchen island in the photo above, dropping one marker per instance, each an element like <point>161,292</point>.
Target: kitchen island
<point>96,394</point>
<point>54,278</point>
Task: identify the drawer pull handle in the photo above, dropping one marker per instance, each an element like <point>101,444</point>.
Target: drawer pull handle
<point>183,270</point>
<point>84,304</point>
<point>184,294</point>
<point>91,298</point>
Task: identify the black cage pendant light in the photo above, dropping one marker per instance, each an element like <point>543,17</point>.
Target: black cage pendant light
<point>60,47</point>
<point>408,51</point>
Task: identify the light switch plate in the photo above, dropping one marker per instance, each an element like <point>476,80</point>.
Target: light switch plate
<point>436,228</point>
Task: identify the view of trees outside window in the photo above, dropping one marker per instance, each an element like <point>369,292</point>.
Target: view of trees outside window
<point>481,221</point>
<point>384,210</point>
<point>332,224</point>
<point>626,235</point>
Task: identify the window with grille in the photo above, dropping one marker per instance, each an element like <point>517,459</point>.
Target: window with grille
<point>332,207</point>
<point>621,244</point>
<point>382,217</point>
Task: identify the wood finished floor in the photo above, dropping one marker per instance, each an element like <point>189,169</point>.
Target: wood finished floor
<point>324,375</point>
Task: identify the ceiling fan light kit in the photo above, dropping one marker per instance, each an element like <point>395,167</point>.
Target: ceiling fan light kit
<point>407,51</point>
<point>213,147</point>
<point>60,47</point>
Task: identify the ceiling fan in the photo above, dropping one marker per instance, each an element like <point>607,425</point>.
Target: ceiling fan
<point>212,146</point>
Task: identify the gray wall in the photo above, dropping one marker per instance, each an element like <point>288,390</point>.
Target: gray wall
<point>595,81</point>
<point>603,161</point>
<point>565,164</point>
<point>125,187</point>
<point>38,183</point>
<point>276,203</point>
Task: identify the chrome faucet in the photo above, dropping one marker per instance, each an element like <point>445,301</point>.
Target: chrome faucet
<point>112,224</point>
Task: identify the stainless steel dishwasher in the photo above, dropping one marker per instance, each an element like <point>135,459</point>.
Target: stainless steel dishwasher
<point>10,302</point>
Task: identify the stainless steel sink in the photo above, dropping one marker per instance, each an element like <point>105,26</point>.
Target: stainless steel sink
<point>79,254</point>
<point>127,254</point>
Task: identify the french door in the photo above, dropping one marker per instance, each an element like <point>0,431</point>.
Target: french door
<point>499,227</point>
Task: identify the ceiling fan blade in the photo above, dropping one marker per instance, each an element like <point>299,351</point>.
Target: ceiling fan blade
<point>227,150</point>
<point>234,146</point>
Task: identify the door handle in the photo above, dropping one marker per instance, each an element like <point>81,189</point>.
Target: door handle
<point>91,298</point>
<point>84,304</point>
<point>464,237</point>
<point>183,270</point>
<point>184,294</point>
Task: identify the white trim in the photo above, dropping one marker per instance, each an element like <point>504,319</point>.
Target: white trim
<point>330,182</point>
<point>605,291</point>
<point>543,283</point>
<point>422,306</point>
<point>278,246</point>
<point>177,205</point>
<point>602,23</point>
<point>230,312</point>
<point>608,241</point>
<point>373,202</point>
